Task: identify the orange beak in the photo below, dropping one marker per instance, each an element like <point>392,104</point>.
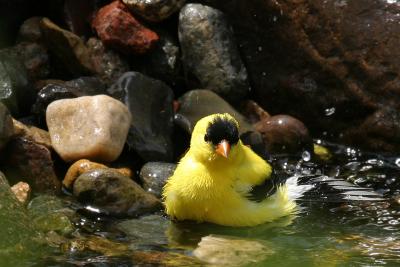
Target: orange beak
<point>223,148</point>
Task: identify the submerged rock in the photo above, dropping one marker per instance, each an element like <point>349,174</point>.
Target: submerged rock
<point>6,126</point>
<point>67,48</point>
<point>113,193</point>
<point>154,10</point>
<point>118,29</point>
<point>154,175</point>
<point>284,133</point>
<point>32,133</point>
<point>92,127</point>
<point>150,102</point>
<point>210,56</point>
<point>30,30</point>
<point>35,58</point>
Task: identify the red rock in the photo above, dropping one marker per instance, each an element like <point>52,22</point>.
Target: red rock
<point>118,29</point>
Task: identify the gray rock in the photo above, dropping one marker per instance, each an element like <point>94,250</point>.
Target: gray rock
<point>154,175</point>
<point>150,102</point>
<point>163,62</point>
<point>13,81</point>
<point>108,65</point>
<point>154,10</point>
<point>6,125</point>
<point>113,193</point>
<point>210,56</point>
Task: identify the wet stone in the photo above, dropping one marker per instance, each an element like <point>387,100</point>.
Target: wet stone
<point>154,175</point>
<point>113,193</point>
<point>154,10</point>
<point>91,127</point>
<point>13,81</point>
<point>163,62</point>
<point>210,56</point>
<point>150,102</point>
<point>108,64</point>
<point>67,48</point>
<point>6,126</point>
<point>34,163</point>
<point>117,28</point>
<point>84,165</point>
<point>284,134</point>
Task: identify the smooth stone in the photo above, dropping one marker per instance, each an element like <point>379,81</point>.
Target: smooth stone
<point>33,162</point>
<point>253,111</point>
<point>284,134</point>
<point>67,48</point>
<point>154,175</point>
<point>108,64</point>
<point>30,31</point>
<point>117,28</point>
<point>13,81</point>
<point>22,191</point>
<point>84,165</point>
<point>154,10</point>
<point>150,102</point>
<point>6,125</point>
<point>197,104</point>
<point>55,90</point>
<point>91,127</point>
<point>210,55</point>
<point>113,193</point>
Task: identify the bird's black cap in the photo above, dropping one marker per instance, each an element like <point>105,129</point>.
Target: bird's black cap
<point>222,128</point>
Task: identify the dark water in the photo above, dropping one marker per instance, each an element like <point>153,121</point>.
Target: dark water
<point>330,230</point>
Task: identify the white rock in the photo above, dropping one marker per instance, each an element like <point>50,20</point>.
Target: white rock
<point>90,127</point>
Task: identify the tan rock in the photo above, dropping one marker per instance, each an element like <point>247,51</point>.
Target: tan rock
<point>33,133</point>
<point>91,127</point>
<point>22,191</point>
<point>84,165</point>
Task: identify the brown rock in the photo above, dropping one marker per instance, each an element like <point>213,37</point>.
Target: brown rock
<point>22,191</point>
<point>283,133</point>
<point>117,28</point>
<point>252,111</point>
<point>67,48</point>
<point>330,63</point>
<point>32,133</point>
<point>34,163</point>
<point>84,165</point>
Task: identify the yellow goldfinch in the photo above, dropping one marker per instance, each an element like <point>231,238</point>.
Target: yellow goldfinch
<point>213,182</point>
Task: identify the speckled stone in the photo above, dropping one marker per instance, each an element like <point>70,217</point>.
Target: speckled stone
<point>22,191</point>
<point>210,55</point>
<point>113,193</point>
<point>154,10</point>
<point>91,127</point>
